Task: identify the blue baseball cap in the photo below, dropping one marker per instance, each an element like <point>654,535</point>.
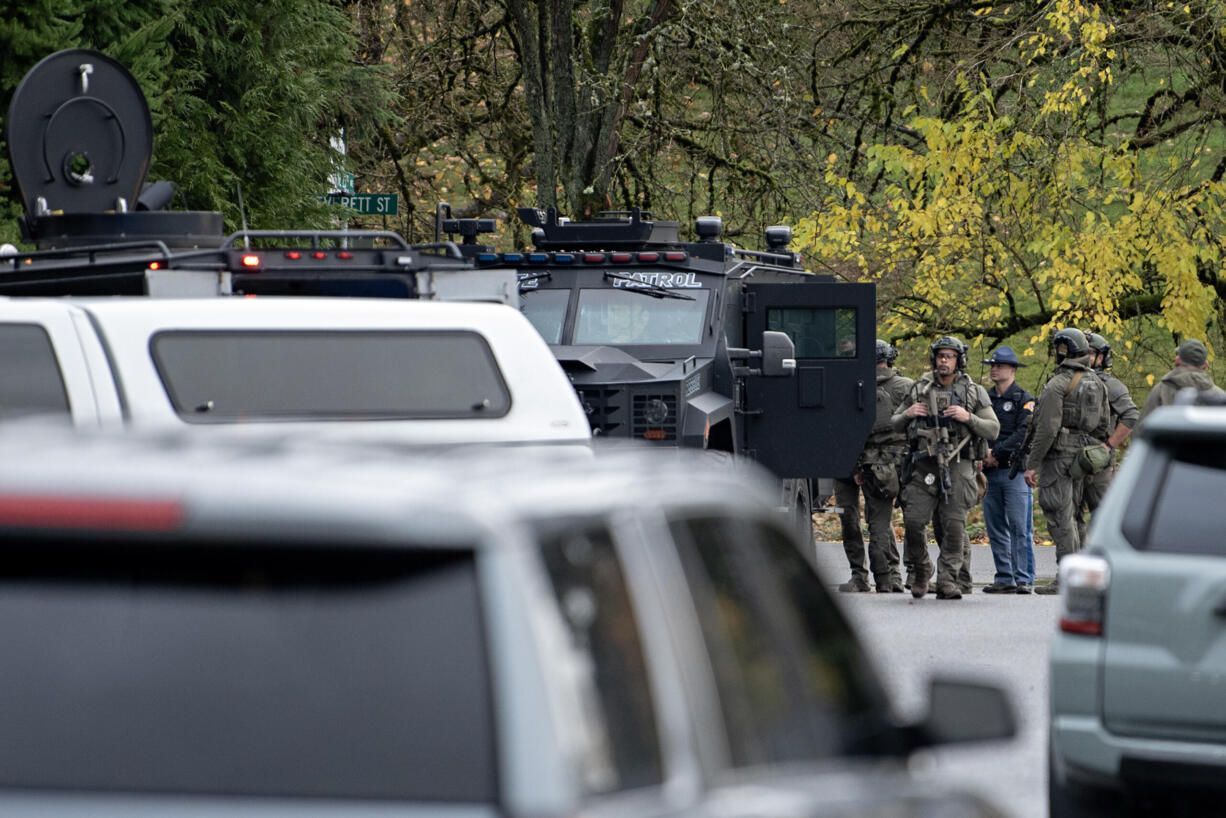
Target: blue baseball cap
<point>1004,355</point>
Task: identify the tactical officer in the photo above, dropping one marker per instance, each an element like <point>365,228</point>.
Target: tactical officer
<point>877,476</point>
<point>949,421</point>
<point>1070,424</point>
<point>1008,504</point>
<point>1191,361</point>
<point>1124,417</point>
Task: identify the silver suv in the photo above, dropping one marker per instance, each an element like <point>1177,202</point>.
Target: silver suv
<point>1138,666</point>
<point>260,628</point>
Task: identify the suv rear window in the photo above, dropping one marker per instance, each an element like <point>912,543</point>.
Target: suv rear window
<point>234,376</point>
<point>1177,506</point>
<point>342,673</point>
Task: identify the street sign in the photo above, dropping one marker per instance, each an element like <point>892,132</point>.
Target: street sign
<point>342,182</point>
<point>368,204</point>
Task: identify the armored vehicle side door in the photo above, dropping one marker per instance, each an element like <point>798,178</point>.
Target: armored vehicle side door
<point>812,424</point>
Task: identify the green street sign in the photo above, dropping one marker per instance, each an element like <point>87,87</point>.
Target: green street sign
<point>368,204</point>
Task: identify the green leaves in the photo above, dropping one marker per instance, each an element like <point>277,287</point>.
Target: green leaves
<point>999,223</point>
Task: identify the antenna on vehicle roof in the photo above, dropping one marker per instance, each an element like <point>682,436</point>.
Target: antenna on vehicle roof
<point>242,213</point>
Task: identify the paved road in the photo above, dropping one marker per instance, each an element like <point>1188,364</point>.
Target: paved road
<point>1001,639</point>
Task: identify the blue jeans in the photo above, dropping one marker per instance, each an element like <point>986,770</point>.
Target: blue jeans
<point>1008,515</point>
<point>1029,534</point>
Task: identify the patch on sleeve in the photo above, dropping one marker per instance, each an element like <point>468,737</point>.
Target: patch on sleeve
<point>1028,406</point>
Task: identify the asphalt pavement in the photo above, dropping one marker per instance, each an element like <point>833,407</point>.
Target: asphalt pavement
<point>996,638</point>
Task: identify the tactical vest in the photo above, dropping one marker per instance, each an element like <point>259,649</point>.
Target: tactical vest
<point>891,392</point>
<point>963,392</point>
<point>1085,410</point>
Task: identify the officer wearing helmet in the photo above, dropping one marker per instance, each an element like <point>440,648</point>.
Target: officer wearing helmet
<point>876,475</point>
<point>1071,425</point>
<point>949,422</point>
<point>1124,417</point>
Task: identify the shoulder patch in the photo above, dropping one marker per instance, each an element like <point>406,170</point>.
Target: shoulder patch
<point>1028,406</point>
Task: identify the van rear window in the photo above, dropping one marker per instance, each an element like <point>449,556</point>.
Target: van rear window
<point>288,672</point>
<point>221,376</point>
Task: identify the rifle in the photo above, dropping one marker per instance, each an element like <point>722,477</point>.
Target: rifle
<point>936,442</point>
<point>1017,461</point>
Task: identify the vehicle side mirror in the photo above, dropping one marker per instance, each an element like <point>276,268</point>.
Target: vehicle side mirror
<point>778,354</point>
<point>960,711</point>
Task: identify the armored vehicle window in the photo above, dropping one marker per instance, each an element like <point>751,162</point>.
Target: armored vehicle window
<point>615,317</point>
<point>241,669</point>
<point>1178,505</point>
<point>793,681</point>
<point>236,376</point>
<point>546,309</point>
<point>622,750</point>
<point>817,332</point>
<point>30,379</point>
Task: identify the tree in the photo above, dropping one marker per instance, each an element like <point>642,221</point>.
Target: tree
<point>257,91</point>
<point>582,67</point>
<point>457,129</point>
<point>1003,223</point>
<point>681,108</point>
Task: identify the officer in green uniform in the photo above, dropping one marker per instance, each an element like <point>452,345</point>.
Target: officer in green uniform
<point>1124,417</point>
<point>949,422</point>
<point>1191,363</point>
<point>1071,417</point>
<point>877,476</point>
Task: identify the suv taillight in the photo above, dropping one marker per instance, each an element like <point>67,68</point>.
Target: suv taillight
<point>1084,580</point>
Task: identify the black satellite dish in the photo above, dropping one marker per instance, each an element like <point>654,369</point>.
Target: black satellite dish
<point>80,142</point>
<point>79,133</point>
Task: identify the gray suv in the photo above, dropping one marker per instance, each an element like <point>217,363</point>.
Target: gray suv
<point>264,628</point>
<point>1138,666</point>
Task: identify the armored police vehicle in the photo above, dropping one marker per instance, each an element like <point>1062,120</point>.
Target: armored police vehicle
<point>80,142</point>
<point>702,344</point>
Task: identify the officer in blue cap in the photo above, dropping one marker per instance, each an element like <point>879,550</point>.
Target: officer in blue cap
<point>1008,507</point>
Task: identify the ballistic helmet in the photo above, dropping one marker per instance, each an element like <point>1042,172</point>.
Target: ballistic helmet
<point>1069,343</point>
<point>886,354</point>
<point>947,342</point>
<point>1099,344</point>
